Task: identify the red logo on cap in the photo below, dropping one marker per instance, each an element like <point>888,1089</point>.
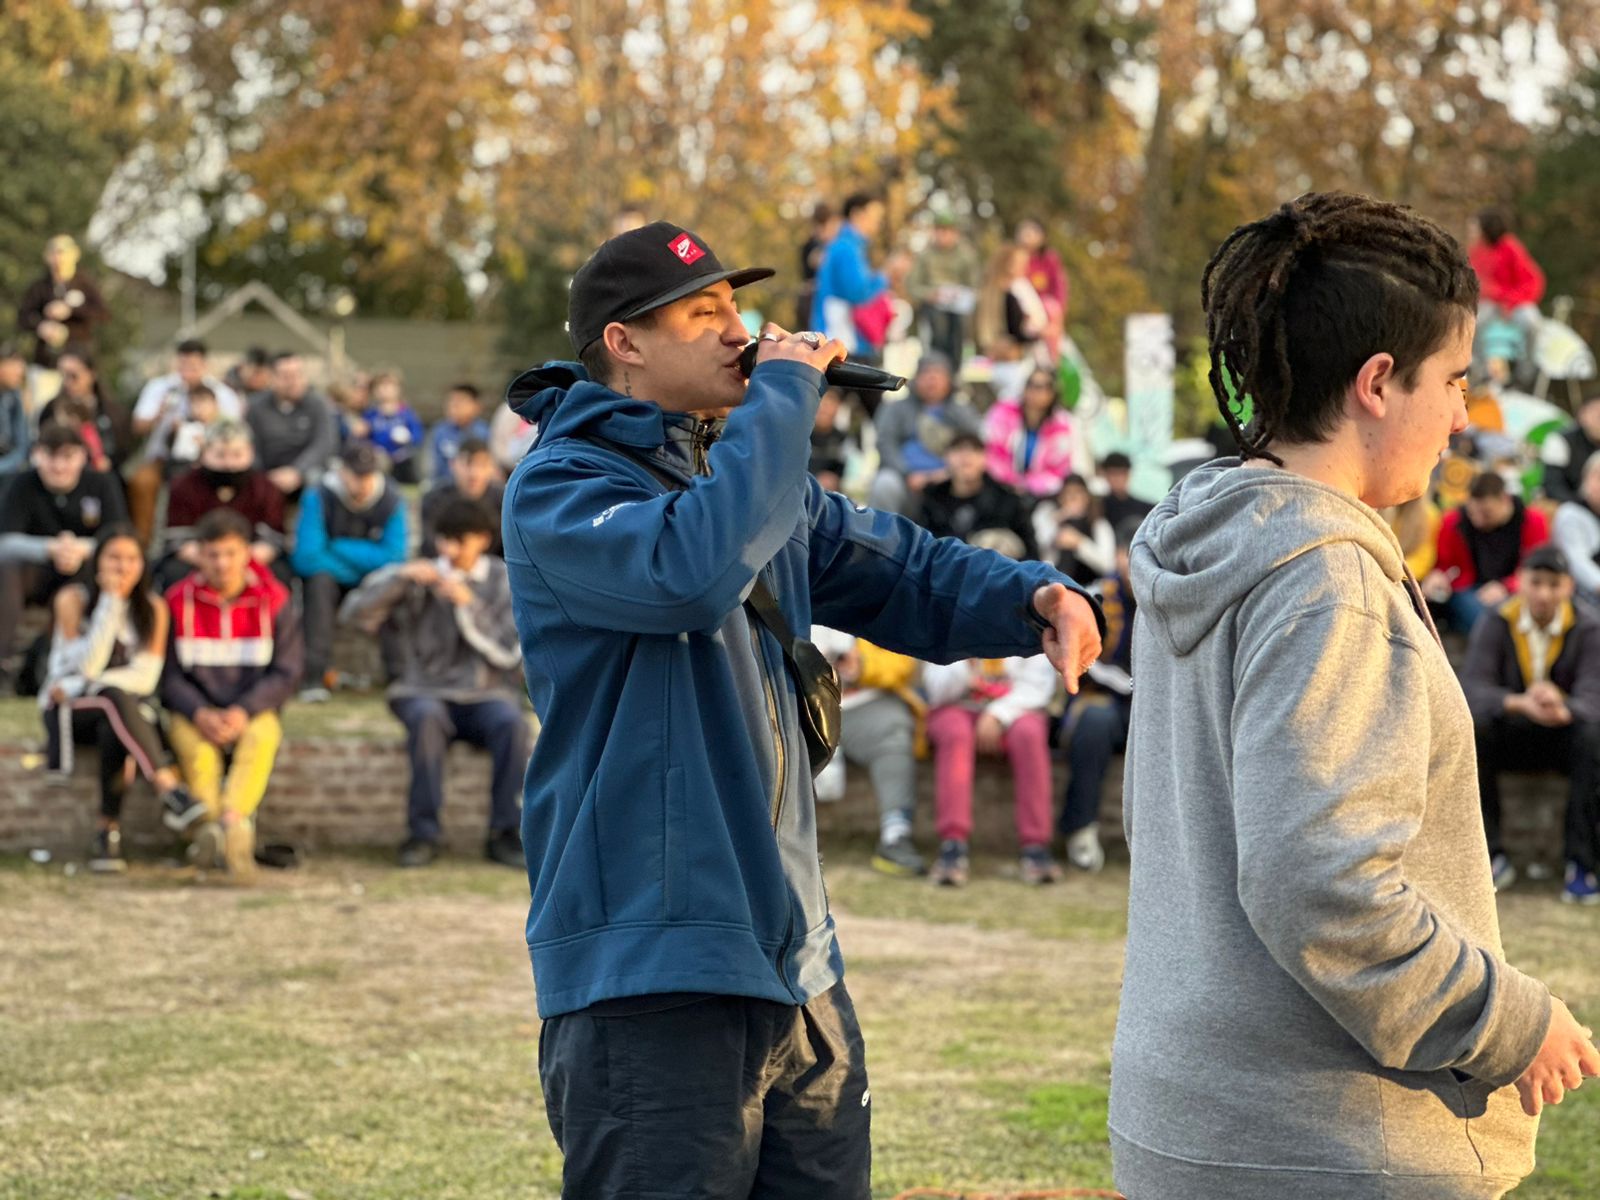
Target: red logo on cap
<point>686,249</point>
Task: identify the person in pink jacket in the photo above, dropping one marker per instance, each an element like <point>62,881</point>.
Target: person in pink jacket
<point>1031,443</point>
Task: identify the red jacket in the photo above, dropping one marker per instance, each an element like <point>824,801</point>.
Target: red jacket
<point>1455,554</point>
<point>1507,274</point>
<point>247,651</point>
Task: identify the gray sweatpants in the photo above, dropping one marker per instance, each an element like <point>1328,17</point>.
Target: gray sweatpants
<point>879,734</point>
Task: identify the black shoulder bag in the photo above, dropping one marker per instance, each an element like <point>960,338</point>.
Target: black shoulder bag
<point>815,680</point>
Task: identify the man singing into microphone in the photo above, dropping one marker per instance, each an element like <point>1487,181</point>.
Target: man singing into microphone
<point>698,1038</point>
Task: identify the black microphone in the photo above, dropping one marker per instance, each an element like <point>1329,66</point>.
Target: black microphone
<point>855,376</point>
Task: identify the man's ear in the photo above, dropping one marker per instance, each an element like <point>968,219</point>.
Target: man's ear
<point>620,345</point>
<point>1374,381</point>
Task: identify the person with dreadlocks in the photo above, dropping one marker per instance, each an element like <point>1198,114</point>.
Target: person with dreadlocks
<point>1315,1001</point>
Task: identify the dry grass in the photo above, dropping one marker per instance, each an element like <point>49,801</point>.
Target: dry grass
<point>352,1031</point>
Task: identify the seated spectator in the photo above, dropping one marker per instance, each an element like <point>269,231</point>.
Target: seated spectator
<point>913,434</point>
<point>1074,535</point>
<point>880,727</point>
<point>1565,452</point>
<point>969,501</point>
<point>295,430</point>
<point>16,433</point>
<point>1416,527</point>
<point>457,674</point>
<point>350,524</point>
<point>166,406</point>
<point>1480,546</point>
<point>48,524</point>
<point>1097,717</point>
<point>1118,504</point>
<point>510,437</point>
<point>82,403</point>
<point>831,446</point>
<point>1532,679</point>
<point>463,421</point>
<point>251,374</point>
<point>350,402</point>
<point>394,428</point>
<point>473,476</point>
<point>233,660</point>
<point>991,707</point>
<point>63,307</point>
<point>1030,440</point>
<point>106,655</point>
<point>226,477</point>
<point>1577,532</point>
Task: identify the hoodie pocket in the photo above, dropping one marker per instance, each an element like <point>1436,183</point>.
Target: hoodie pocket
<point>1425,1124</point>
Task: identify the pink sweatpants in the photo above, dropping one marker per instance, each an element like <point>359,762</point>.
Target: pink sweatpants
<point>953,732</point>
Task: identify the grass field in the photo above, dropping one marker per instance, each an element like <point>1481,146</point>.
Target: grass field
<point>349,1031</point>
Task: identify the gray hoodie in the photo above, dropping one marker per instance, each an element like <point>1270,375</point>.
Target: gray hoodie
<point>1315,1002</point>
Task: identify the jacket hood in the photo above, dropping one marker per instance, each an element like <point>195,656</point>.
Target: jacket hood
<point>1225,527</point>
<point>563,401</point>
<point>335,484</point>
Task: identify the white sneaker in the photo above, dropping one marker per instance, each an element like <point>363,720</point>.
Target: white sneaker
<point>314,695</point>
<point>1084,850</point>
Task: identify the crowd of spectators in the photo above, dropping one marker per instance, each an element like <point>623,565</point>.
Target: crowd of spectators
<point>198,550</point>
<point>192,554</point>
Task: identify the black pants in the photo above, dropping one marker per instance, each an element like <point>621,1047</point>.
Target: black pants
<point>320,596</point>
<point>710,1097</point>
<point>1509,743</point>
<point>116,724</point>
<point>946,332</point>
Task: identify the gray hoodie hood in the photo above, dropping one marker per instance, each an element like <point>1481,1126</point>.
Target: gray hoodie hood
<point>1225,527</point>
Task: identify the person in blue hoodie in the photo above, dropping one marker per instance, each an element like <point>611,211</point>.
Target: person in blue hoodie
<point>698,1037</point>
<point>350,524</point>
<point>845,280</point>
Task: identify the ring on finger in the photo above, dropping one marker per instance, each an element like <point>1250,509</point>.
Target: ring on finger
<point>814,339</point>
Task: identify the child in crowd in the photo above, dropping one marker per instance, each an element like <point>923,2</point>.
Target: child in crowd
<point>179,437</point>
<point>991,706</point>
<point>1074,535</point>
<point>106,657</point>
<point>463,420</point>
<point>394,427</point>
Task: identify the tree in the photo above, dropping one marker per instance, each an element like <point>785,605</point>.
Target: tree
<point>72,109</point>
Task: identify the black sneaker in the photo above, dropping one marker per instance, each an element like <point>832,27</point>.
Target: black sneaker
<point>417,853</point>
<point>899,858</point>
<point>179,809</point>
<point>105,858</point>
<point>505,848</point>
<point>950,868</point>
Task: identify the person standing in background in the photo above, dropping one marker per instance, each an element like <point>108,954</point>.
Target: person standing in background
<point>824,228</point>
<point>63,306</point>
<point>1049,279</point>
<point>944,285</point>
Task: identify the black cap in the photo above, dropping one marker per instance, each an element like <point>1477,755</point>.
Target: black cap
<point>1547,557</point>
<point>641,270</point>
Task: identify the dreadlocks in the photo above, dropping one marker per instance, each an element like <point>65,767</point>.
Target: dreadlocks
<point>1296,302</point>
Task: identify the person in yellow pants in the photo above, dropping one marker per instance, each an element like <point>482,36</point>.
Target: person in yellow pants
<point>234,658</point>
<point>231,798</point>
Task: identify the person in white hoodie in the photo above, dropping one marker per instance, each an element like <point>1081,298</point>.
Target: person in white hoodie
<point>1316,1002</point>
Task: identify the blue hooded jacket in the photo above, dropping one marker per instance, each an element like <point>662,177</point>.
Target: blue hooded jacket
<point>668,814</point>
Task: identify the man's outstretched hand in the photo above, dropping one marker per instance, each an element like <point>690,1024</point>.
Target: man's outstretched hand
<point>1072,643</point>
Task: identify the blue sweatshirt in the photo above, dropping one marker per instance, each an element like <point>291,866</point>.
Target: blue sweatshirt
<point>844,280</point>
<point>668,813</point>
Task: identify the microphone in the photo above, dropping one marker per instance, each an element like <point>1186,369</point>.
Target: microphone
<point>855,376</point>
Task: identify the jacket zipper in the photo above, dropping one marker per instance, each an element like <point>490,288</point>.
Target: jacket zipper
<point>780,757</point>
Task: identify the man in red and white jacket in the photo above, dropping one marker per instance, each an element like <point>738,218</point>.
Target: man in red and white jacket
<point>234,657</point>
<point>1481,545</point>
